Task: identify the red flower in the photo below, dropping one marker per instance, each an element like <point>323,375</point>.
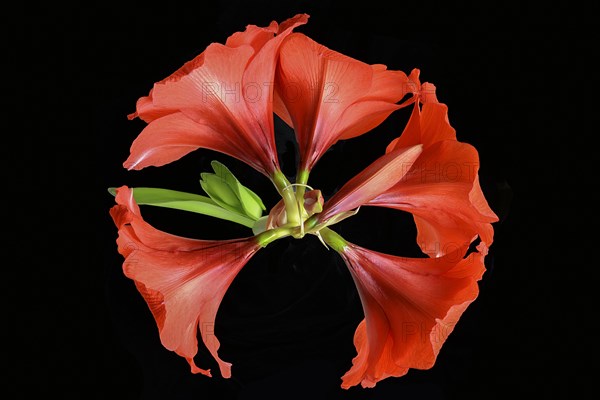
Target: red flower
<point>221,100</point>
<point>410,306</point>
<point>442,188</point>
<point>326,96</point>
<point>182,280</point>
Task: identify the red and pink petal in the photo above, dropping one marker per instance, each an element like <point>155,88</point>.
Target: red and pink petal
<point>410,306</point>
<point>442,188</point>
<point>425,126</point>
<point>422,92</point>
<point>182,280</point>
<point>228,90</point>
<point>318,92</point>
<point>439,191</point>
<point>173,136</point>
<point>377,178</point>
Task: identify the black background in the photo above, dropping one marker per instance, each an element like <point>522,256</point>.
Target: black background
<point>508,75</point>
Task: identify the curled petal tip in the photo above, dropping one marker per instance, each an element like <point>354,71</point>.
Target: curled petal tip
<point>196,370</point>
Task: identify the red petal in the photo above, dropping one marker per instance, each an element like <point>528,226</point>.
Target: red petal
<point>254,36</point>
<point>182,280</point>
<point>364,116</point>
<point>318,90</point>
<point>387,88</point>
<point>228,88</point>
<point>425,92</point>
<point>378,177</point>
<point>145,107</point>
<point>486,231</point>
<point>173,136</point>
<point>442,189</point>
<point>426,126</point>
<point>258,83</point>
<point>438,192</point>
<point>214,94</point>
<point>410,306</point>
<point>411,135</point>
<point>146,110</point>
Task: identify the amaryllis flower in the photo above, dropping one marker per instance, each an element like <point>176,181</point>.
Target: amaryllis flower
<point>327,96</point>
<point>442,188</point>
<point>182,280</point>
<point>221,100</point>
<point>411,305</point>
<point>224,100</point>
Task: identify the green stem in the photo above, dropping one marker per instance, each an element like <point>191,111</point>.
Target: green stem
<point>311,222</point>
<point>287,193</point>
<point>273,234</point>
<point>301,180</point>
<point>334,240</point>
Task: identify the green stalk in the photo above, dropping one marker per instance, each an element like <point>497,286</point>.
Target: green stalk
<point>301,180</point>
<point>273,234</point>
<point>287,193</point>
<point>334,240</point>
<point>311,222</point>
